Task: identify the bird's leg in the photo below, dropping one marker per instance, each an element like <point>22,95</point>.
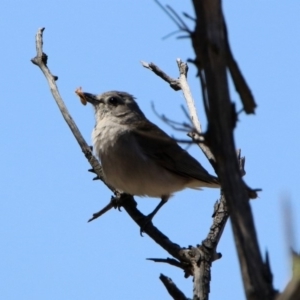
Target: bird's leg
<point>149,218</point>
<point>164,200</point>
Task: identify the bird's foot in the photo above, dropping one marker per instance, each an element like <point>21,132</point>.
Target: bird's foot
<point>149,218</point>
<point>117,200</point>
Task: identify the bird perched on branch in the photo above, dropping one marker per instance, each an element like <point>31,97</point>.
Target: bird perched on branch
<point>137,157</point>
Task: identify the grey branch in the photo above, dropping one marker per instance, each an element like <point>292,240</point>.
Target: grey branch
<point>183,70</point>
<point>207,251</point>
<point>41,62</point>
<point>174,83</point>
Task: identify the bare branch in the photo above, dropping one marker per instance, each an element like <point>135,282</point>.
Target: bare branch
<point>196,137</point>
<point>189,16</point>
<point>181,25</point>
<point>170,261</point>
<point>170,34</point>
<point>207,250</point>
<point>200,259</point>
<point>178,126</point>
<point>40,61</point>
<point>239,81</point>
<point>220,217</point>
<point>174,84</point>
<point>172,288</point>
<point>211,55</point>
<point>109,206</point>
<point>183,69</point>
<point>172,14</point>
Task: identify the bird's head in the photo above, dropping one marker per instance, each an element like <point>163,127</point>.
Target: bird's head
<point>112,104</point>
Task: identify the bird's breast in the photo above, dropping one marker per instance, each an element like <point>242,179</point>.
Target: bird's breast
<point>127,168</point>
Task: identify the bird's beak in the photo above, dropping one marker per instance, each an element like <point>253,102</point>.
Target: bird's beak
<point>91,98</point>
<point>87,97</point>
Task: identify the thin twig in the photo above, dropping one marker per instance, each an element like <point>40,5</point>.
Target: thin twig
<point>174,84</point>
<point>189,16</point>
<point>172,14</point>
<point>105,209</point>
<point>178,126</point>
<point>180,22</point>
<point>170,261</point>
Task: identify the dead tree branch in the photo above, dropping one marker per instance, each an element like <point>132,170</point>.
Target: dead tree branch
<point>174,83</point>
<point>41,61</point>
<point>171,287</point>
<point>211,55</point>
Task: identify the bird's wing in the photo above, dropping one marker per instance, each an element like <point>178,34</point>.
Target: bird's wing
<point>157,145</point>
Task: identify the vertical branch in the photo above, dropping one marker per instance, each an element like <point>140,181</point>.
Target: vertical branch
<point>183,69</point>
<point>210,48</point>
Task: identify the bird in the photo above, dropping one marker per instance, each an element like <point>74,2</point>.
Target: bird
<point>137,157</point>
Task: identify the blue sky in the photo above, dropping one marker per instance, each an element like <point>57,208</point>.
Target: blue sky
<point>48,250</point>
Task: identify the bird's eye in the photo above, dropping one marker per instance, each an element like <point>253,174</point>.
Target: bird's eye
<point>113,100</point>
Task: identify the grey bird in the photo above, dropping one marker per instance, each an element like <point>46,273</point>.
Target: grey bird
<point>137,157</point>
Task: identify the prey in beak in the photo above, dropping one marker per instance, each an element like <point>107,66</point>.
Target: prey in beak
<point>87,97</point>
